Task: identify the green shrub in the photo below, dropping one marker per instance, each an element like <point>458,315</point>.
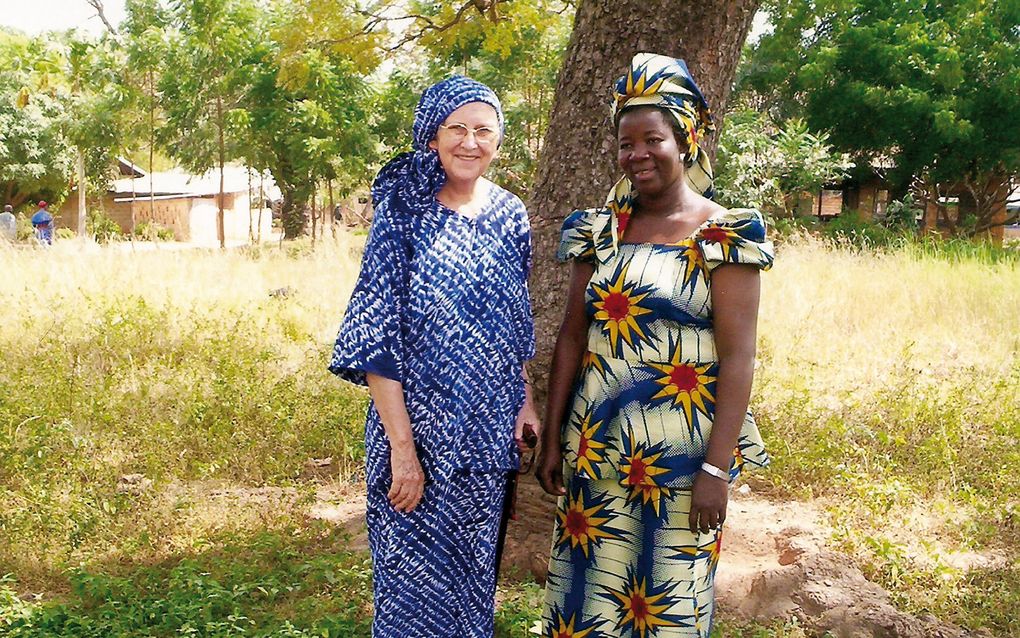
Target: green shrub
<point>24,227</point>
<point>851,229</point>
<point>902,214</point>
<point>101,227</point>
<point>149,230</point>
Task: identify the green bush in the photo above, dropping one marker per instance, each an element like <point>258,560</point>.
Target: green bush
<point>101,227</point>
<point>901,214</point>
<point>852,229</point>
<point>149,230</point>
<point>24,227</point>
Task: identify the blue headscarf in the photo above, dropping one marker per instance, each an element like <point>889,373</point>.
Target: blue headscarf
<point>416,177</point>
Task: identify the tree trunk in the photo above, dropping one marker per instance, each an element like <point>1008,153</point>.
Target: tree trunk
<point>295,189</point>
<point>251,212</point>
<point>293,209</point>
<point>82,226</point>
<point>152,146</point>
<point>262,202</point>
<point>220,230</point>
<point>332,206</point>
<point>578,162</point>
<point>314,216</point>
<point>134,196</point>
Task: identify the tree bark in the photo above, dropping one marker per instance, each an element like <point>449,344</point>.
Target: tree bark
<point>152,145</point>
<point>578,162</point>
<point>82,226</point>
<point>220,231</point>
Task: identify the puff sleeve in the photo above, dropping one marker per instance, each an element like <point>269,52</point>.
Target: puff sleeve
<point>370,339</point>
<point>576,238</point>
<point>736,237</point>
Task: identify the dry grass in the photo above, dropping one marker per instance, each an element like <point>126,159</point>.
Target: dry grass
<point>888,384</point>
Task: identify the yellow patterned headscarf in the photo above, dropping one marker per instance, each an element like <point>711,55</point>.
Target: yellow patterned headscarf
<point>665,82</point>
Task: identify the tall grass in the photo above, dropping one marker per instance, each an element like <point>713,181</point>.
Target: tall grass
<point>888,385</point>
<point>181,366</point>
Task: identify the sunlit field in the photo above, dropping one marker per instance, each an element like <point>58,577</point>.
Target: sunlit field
<point>887,387</point>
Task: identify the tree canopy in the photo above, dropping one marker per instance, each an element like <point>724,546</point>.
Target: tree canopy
<point>934,86</point>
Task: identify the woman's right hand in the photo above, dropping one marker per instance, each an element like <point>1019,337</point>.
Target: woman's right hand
<point>408,478</point>
<point>549,470</point>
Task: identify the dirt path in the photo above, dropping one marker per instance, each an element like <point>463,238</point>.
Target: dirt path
<point>774,565</point>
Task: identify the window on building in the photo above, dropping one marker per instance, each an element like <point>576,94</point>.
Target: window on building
<point>881,202</point>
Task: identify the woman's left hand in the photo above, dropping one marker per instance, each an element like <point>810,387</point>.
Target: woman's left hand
<point>528,428</point>
<point>708,503</point>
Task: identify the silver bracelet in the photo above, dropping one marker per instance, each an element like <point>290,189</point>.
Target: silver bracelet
<point>708,468</point>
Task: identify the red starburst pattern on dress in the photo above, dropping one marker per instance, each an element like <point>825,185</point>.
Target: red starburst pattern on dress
<point>684,377</point>
<point>617,306</point>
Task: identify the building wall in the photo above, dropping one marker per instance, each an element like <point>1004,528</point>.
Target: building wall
<point>169,213</point>
<point>67,215</point>
<point>832,203</point>
<point>202,220</point>
<point>866,195</point>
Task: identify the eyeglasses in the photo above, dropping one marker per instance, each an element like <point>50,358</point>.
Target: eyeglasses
<point>483,134</point>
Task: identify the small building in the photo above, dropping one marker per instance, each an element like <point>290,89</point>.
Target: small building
<point>187,204</point>
<point>867,193</point>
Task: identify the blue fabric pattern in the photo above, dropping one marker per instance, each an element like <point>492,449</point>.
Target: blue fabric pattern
<point>435,568</point>
<point>441,305</point>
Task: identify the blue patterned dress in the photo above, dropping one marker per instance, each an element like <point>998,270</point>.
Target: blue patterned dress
<point>442,306</point>
<point>624,563</point>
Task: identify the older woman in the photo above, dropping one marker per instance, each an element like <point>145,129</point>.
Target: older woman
<point>651,376</point>
<point>439,327</point>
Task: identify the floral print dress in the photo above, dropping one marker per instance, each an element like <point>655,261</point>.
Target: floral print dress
<point>624,563</point>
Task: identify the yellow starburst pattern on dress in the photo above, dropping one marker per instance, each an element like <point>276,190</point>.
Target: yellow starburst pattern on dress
<point>617,307</point>
<point>709,550</point>
<point>738,460</point>
<point>588,449</point>
<point>702,621</point>
<point>714,550</point>
<point>581,526</point>
<point>687,385</point>
<point>564,628</point>
<point>622,208</point>
<point>692,262</point>
<point>640,609</point>
<point>592,361</point>
<point>639,472</point>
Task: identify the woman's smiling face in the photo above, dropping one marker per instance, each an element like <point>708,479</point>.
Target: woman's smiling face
<point>465,159</point>
<point>647,150</point>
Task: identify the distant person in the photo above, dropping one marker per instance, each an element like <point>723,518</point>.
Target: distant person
<point>8,225</point>
<point>42,222</point>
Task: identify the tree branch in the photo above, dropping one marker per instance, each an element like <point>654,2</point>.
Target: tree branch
<point>101,12</point>
<point>488,9</point>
